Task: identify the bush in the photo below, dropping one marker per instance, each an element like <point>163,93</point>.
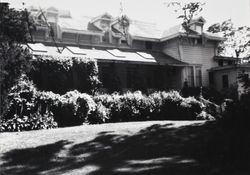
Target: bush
<point>100,115</point>
<point>21,98</point>
<point>32,122</point>
<point>31,109</point>
<point>50,73</point>
<point>72,108</point>
<point>207,93</point>
<point>172,106</point>
<point>126,107</point>
<point>24,111</point>
<point>157,106</point>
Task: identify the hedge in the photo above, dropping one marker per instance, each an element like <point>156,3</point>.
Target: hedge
<point>63,74</point>
<point>30,108</point>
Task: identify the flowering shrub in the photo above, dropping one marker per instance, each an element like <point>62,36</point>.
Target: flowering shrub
<point>50,73</point>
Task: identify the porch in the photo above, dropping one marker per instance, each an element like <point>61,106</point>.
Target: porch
<point>127,76</point>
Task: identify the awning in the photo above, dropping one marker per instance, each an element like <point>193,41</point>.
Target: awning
<point>107,55</point>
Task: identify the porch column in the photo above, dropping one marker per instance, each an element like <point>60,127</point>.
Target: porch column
<point>194,76</point>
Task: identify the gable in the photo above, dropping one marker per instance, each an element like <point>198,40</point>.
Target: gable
<point>102,22</point>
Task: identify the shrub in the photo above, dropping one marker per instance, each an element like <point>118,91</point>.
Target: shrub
<point>172,106</point>
<point>73,108</point>
<point>32,122</point>
<point>24,112</point>
<point>207,93</point>
<point>50,74</point>
<point>100,115</point>
<point>21,98</point>
<point>157,106</point>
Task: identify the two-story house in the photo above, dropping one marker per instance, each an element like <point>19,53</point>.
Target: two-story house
<point>135,56</point>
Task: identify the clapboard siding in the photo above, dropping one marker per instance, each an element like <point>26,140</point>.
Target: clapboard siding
<point>199,54</point>
<point>171,48</point>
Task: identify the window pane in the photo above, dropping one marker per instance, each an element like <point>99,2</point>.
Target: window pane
<point>198,76</point>
<point>225,81</point>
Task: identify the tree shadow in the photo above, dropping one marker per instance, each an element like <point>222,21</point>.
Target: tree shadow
<point>31,160</point>
<point>158,149</point>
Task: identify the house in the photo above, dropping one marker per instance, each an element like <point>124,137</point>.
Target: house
<point>133,56</point>
<point>226,74</point>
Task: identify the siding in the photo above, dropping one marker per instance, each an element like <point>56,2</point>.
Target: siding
<point>39,35</point>
<point>171,48</point>
<point>199,54</point>
<point>69,37</point>
<point>138,44</point>
<point>232,78</point>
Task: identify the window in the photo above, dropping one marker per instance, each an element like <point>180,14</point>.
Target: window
<point>198,76</point>
<point>220,62</point>
<point>211,78</point>
<point>225,81</point>
<point>37,47</point>
<point>117,53</point>
<point>230,62</point>
<point>190,76</point>
<point>76,50</point>
<point>148,45</point>
<point>124,42</point>
<point>145,55</point>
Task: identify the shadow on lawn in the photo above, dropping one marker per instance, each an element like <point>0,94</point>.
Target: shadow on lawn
<point>158,149</point>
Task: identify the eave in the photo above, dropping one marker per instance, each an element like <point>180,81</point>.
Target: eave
<point>64,30</point>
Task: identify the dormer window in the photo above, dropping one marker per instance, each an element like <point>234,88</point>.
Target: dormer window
<point>197,25</point>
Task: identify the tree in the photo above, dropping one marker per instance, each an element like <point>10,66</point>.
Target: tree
<point>237,41</point>
<point>187,11</point>
<point>15,27</point>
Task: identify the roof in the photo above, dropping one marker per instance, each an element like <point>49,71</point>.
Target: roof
<point>139,30</point>
<point>173,31</point>
<point>144,30</point>
<point>73,23</point>
<point>230,67</point>
<point>179,30</point>
<point>108,55</point>
<point>226,58</point>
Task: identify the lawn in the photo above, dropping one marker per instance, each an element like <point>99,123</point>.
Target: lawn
<point>158,147</point>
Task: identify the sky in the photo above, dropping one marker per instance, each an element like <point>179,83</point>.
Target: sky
<point>155,11</point>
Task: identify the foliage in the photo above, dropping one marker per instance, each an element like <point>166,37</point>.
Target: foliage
<point>21,98</point>
<point>173,106</point>
<point>236,120</point>
<point>237,41</point>
<point>188,10</point>
<point>33,109</point>
<point>245,82</point>
<point>14,59</point>
<point>157,106</point>
<point>69,109</point>
<point>100,115</point>
<point>208,93</point>
<point>34,121</point>
<point>24,111</point>
<point>50,74</point>
<point>15,24</point>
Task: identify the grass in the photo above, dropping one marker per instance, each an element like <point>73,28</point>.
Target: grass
<point>155,147</point>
